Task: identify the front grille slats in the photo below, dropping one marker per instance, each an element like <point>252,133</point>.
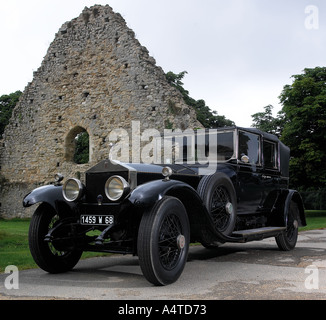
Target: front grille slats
<point>95,183</point>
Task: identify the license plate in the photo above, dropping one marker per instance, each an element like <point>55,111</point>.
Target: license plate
<point>96,220</point>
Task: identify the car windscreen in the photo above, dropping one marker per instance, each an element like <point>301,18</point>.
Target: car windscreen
<point>199,147</point>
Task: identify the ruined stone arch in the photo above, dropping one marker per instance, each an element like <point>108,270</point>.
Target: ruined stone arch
<point>70,143</point>
<point>95,77</point>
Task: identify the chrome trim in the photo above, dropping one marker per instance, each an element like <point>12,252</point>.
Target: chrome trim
<point>80,190</point>
<point>125,185</point>
<point>132,174</point>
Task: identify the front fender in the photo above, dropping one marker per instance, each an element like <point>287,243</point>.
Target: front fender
<point>148,194</point>
<point>50,194</point>
<point>201,223</point>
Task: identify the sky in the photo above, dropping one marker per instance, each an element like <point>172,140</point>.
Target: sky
<point>239,54</point>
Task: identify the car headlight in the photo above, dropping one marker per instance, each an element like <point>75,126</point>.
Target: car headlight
<point>116,187</point>
<point>72,190</point>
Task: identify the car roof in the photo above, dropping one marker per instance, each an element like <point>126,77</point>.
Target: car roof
<point>265,135</point>
<point>283,149</point>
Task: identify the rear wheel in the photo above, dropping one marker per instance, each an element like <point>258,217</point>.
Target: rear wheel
<point>49,256</point>
<point>163,241</point>
<point>287,240</point>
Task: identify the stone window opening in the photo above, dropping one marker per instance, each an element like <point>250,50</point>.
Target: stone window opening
<point>77,146</point>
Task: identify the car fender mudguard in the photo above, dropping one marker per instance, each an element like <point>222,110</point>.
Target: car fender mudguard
<point>282,207</point>
<point>51,194</point>
<point>295,196</point>
<point>146,195</point>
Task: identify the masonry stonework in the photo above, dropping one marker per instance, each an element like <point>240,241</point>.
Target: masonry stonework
<point>95,77</point>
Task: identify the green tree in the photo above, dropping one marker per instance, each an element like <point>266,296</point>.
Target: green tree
<point>267,123</point>
<point>304,112</point>
<point>7,104</point>
<point>207,117</point>
<point>82,148</point>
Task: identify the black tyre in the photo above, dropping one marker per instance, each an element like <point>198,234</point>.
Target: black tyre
<point>47,255</point>
<point>163,241</point>
<point>219,198</point>
<point>287,240</point>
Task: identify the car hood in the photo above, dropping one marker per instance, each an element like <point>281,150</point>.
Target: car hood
<point>117,166</point>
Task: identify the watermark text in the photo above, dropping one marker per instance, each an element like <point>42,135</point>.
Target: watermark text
<point>312,17</point>
<point>12,281</point>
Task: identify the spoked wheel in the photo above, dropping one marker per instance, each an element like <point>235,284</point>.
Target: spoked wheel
<point>53,257</point>
<point>163,241</point>
<point>221,208</point>
<point>218,195</point>
<point>287,240</point>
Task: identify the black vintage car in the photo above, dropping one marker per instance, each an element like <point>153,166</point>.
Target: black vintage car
<point>225,185</point>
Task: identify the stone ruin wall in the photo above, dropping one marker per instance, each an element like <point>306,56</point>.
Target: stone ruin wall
<point>95,77</point>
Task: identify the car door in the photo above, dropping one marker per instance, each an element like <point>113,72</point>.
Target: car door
<point>271,173</point>
<point>250,186</point>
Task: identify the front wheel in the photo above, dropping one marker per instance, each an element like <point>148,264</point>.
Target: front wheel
<point>163,241</point>
<point>51,257</point>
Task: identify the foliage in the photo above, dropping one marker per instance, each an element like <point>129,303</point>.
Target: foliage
<point>267,123</point>
<point>314,199</point>
<point>301,125</point>
<point>7,104</point>
<point>304,110</point>
<point>82,148</point>
<point>207,117</point>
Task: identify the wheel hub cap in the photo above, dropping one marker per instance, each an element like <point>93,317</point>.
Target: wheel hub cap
<point>229,208</point>
<point>295,224</point>
<point>181,241</point>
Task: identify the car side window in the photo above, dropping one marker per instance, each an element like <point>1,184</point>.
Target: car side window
<point>249,146</point>
<point>270,155</point>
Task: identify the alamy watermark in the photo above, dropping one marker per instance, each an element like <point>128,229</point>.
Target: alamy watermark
<point>312,17</point>
<point>312,280</point>
<point>12,281</point>
<point>174,146</point>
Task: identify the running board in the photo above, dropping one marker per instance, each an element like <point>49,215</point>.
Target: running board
<point>257,234</point>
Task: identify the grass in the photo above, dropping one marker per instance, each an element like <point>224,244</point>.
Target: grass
<point>316,219</point>
<point>14,244</point>
<point>14,248</point>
